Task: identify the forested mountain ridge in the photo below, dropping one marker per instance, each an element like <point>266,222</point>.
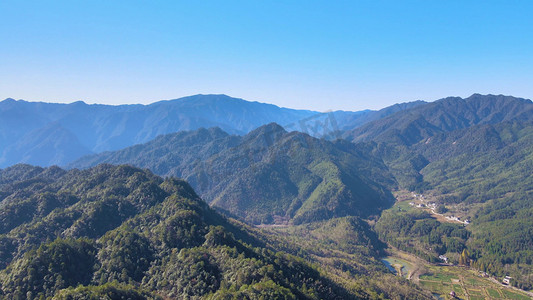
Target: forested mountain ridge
<point>293,176</point>
<point>127,225</point>
<point>118,231</point>
<point>168,154</point>
<point>267,176</point>
<point>476,163</point>
<point>409,126</point>
<point>472,159</point>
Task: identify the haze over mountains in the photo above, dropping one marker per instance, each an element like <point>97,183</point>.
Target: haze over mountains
<point>55,134</point>
<point>273,176</point>
<point>47,133</point>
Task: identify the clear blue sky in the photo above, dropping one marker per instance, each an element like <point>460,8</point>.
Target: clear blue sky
<point>318,55</point>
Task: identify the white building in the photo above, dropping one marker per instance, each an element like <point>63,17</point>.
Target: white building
<point>507,280</point>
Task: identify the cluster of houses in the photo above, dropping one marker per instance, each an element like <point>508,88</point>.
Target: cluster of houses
<point>430,205</point>
<point>457,219</point>
<point>419,196</point>
<point>433,206</point>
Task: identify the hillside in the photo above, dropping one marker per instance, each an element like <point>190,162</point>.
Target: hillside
<point>267,176</point>
<point>471,158</point>
<point>118,231</point>
<point>167,154</point>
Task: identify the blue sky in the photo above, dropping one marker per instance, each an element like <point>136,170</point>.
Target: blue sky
<point>319,55</point>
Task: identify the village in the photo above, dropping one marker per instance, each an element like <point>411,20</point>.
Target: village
<point>422,203</point>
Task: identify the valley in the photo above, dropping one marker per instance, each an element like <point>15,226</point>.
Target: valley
<point>442,277</point>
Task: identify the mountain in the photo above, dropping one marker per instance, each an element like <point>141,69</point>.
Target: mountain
<point>267,176</point>
<point>49,133</point>
<point>329,200</point>
<point>409,126</point>
<point>331,125</point>
<point>117,232</point>
<point>167,154</point>
<point>124,224</point>
<point>276,176</point>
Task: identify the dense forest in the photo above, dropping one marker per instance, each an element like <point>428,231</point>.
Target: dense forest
<point>267,176</point>
<point>119,231</point>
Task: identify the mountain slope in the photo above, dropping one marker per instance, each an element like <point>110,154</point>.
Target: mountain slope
<point>168,152</point>
<point>267,176</point>
<point>122,232</point>
<point>274,176</point>
<point>127,225</point>
<point>472,159</point>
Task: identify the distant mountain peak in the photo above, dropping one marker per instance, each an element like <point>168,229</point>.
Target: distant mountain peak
<point>271,132</point>
<point>217,131</point>
<point>271,127</point>
<point>477,96</point>
<point>203,97</point>
<point>79,102</point>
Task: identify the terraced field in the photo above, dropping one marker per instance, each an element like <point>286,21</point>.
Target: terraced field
<point>467,284</point>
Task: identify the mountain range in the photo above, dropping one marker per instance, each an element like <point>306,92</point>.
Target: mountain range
<point>409,126</point>
<point>267,176</point>
<point>321,186</point>
<point>471,155</point>
<point>47,134</point>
